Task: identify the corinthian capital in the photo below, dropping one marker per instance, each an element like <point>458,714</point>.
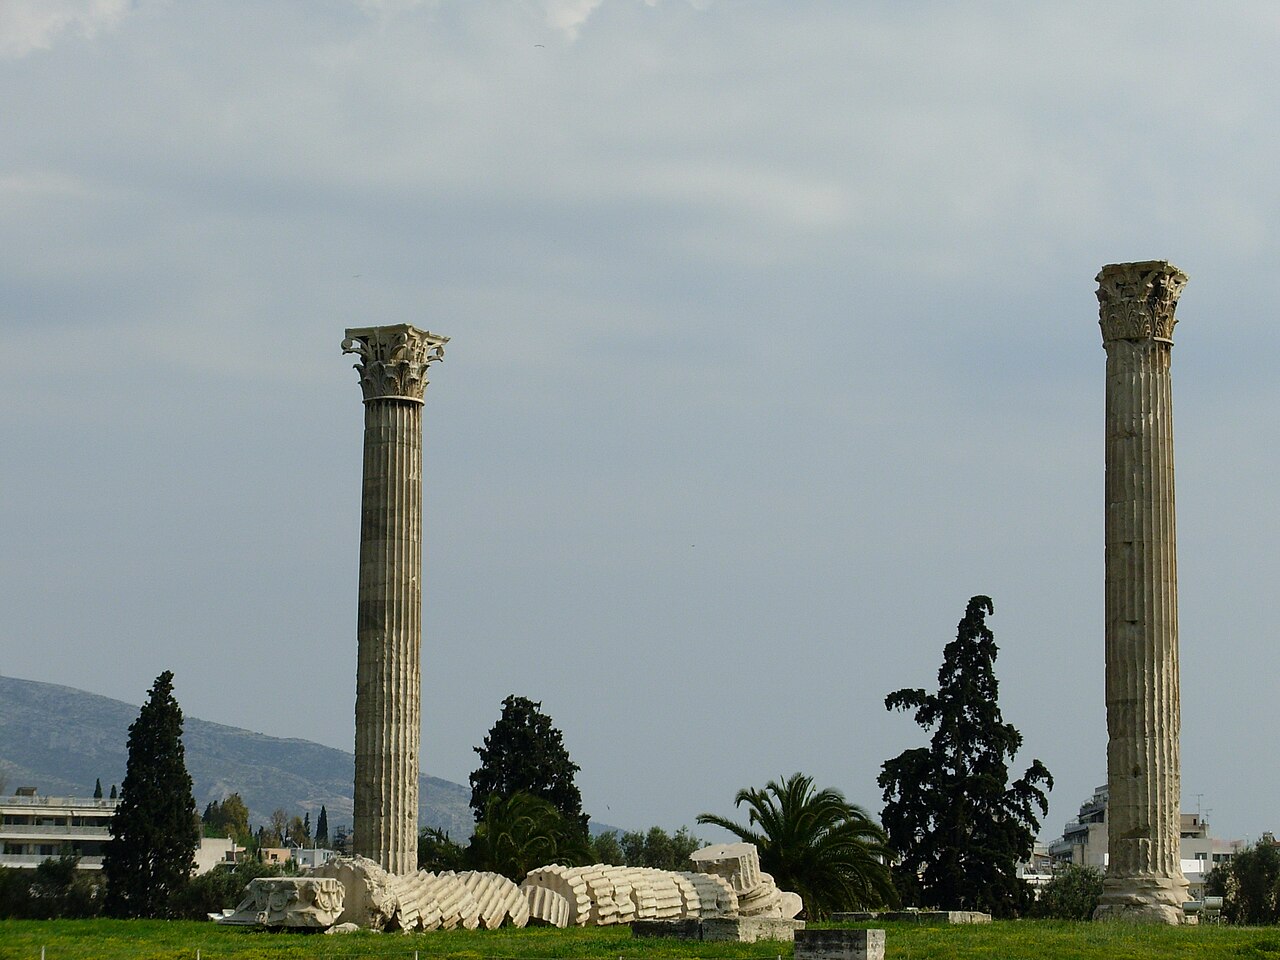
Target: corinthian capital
<point>1136,301</point>
<point>393,360</point>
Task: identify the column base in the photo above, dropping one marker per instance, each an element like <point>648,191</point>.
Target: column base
<point>1142,900</point>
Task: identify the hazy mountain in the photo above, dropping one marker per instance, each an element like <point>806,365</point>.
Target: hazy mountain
<point>60,740</point>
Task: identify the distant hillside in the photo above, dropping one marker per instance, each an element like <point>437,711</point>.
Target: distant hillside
<point>60,740</point>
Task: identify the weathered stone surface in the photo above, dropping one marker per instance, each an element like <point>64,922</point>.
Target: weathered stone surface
<point>734,929</point>
<point>739,863</point>
<point>378,900</point>
<point>369,900</point>
<point>684,929</point>
<point>939,917</point>
<point>500,900</point>
<point>839,945</point>
<point>547,907</point>
<point>312,903</point>
<point>1144,880</point>
<point>750,929</point>
<point>707,895</point>
<point>392,367</point>
<point>569,884</point>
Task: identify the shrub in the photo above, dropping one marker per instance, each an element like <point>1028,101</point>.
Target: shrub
<point>1072,894</point>
<point>222,888</point>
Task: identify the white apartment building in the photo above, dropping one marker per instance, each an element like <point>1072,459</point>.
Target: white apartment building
<point>1084,841</point>
<point>34,828</point>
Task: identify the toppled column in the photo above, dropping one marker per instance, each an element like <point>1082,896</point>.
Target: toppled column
<point>1144,880</point>
<point>393,366</point>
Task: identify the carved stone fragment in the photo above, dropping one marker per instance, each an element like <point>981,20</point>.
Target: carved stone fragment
<point>309,903</point>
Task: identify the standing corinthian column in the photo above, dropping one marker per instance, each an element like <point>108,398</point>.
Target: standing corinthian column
<point>393,367</point>
<point>1144,880</point>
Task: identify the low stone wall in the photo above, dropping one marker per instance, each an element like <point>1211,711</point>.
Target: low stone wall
<point>938,917</point>
<point>839,945</point>
<point>731,929</point>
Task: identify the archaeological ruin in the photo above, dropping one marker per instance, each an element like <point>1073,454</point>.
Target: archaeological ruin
<point>393,363</point>
<point>1144,880</point>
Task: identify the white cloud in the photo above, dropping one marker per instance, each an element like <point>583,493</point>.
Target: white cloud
<point>568,16</point>
<point>28,25</point>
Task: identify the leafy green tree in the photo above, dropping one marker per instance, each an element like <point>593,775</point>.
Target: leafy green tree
<point>235,819</point>
<point>524,752</point>
<point>278,828</point>
<point>1249,885</point>
<point>606,849</point>
<point>296,833</point>
<point>437,851</point>
<point>957,824</point>
<point>322,827</point>
<point>1072,893</point>
<point>521,832</point>
<point>154,831</point>
<point>60,890</point>
<point>658,849</point>
<point>815,843</point>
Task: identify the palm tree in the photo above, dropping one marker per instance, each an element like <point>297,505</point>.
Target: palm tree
<point>522,832</point>
<point>816,843</point>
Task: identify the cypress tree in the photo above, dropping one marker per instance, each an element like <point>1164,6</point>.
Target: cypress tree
<point>322,827</point>
<point>97,789</point>
<point>957,823</point>
<point>154,832</point>
<point>524,752</point>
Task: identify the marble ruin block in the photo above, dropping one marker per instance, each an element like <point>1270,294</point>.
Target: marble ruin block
<point>308,903</point>
<point>739,863</point>
<point>839,945</point>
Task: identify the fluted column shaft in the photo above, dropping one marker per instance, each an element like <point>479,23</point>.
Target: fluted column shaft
<point>1144,879</point>
<point>388,637</point>
<point>389,613</point>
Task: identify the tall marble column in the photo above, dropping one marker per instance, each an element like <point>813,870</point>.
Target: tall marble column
<point>393,367</point>
<point>1144,880</point>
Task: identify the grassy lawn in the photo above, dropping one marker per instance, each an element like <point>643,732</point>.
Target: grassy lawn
<point>1032,940</point>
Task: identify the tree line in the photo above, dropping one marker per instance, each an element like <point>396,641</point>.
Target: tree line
<point>952,827</point>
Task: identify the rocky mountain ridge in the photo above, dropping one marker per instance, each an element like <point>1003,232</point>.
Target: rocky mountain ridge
<point>60,740</point>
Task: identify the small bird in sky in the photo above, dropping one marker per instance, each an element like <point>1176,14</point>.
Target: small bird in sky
<point>539,44</point>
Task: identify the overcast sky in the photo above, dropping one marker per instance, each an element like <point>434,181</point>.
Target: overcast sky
<point>774,339</point>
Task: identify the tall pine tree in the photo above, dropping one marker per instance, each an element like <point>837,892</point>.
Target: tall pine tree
<point>154,832</point>
<point>322,827</point>
<point>957,824</point>
<point>524,752</point>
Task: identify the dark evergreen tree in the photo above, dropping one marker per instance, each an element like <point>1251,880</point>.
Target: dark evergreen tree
<point>306,825</point>
<point>97,789</point>
<point>154,831</point>
<point>524,752</point>
<point>322,827</point>
<point>114,795</point>
<point>958,825</point>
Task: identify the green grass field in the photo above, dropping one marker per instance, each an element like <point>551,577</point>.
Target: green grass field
<point>1014,940</point>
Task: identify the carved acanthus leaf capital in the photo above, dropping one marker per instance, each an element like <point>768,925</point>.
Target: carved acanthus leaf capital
<point>393,360</point>
<point>1136,301</point>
